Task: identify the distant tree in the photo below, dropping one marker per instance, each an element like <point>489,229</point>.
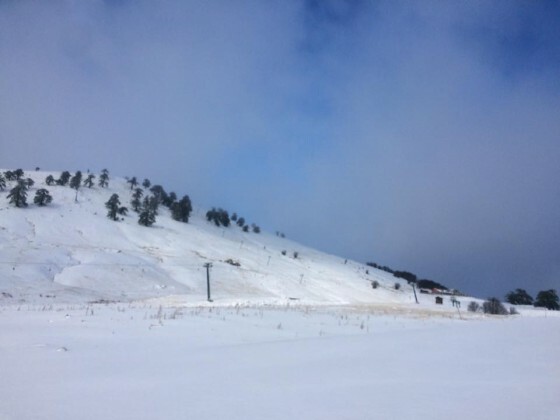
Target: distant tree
<point>18,195</point>
<point>182,209</point>
<point>409,277</point>
<point>159,193</point>
<point>10,176</point>
<point>246,228</point>
<point>113,205</point>
<point>519,297</point>
<point>220,217</point>
<point>234,217</point>
<point>49,180</point>
<point>104,178</point>
<point>76,181</point>
<point>123,211</point>
<point>19,174</point>
<point>64,178</point>
<point>474,306</point>
<point>88,182</point>
<point>256,229</point>
<point>133,182</point>
<point>547,299</point>
<point>147,215</point>
<point>136,202</point>
<point>42,197</point>
<point>397,286</point>
<point>146,183</point>
<point>241,222</point>
<point>151,203</point>
<point>2,182</point>
<point>29,182</point>
<point>375,284</point>
<point>429,284</point>
<point>493,306</point>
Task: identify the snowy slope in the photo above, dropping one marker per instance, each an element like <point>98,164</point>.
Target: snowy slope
<point>71,250</point>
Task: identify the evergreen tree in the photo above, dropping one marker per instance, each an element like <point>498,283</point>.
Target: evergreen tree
<point>151,202</point>
<point>147,217</point>
<point>548,299</point>
<point>18,195</point>
<point>519,297</point>
<point>256,229</point>
<point>148,212</point>
<point>2,182</point>
<point>42,197</point>
<point>10,176</point>
<point>18,174</point>
<point>29,182</point>
<point>104,178</point>
<point>133,182</point>
<point>50,180</point>
<point>181,209</point>
<point>234,217</point>
<point>113,206</point>
<point>246,228</point>
<point>170,199</point>
<point>123,211</point>
<point>146,183</point>
<point>76,181</point>
<point>64,178</point>
<point>136,202</point>
<point>159,193</point>
<point>88,182</point>
<point>241,222</point>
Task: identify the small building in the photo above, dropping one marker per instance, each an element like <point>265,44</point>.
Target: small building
<point>439,300</point>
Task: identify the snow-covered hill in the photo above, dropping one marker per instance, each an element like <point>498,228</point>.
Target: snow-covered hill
<point>71,250</point>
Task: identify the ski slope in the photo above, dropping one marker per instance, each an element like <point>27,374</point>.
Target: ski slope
<point>70,251</point>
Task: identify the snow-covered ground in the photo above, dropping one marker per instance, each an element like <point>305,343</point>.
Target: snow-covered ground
<point>71,252</point>
<point>285,337</point>
<point>137,361</point>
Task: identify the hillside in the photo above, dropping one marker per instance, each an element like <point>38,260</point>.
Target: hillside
<point>70,251</point>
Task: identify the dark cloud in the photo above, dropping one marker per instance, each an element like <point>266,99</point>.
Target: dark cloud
<point>424,136</point>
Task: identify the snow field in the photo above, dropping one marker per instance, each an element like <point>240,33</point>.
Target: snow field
<point>141,361</point>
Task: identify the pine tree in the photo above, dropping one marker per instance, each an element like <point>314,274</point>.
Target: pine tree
<point>2,182</point>
<point>519,297</point>
<point>29,182</point>
<point>148,212</point>
<point>159,193</point>
<point>146,183</point>
<point>64,178</point>
<point>49,180</point>
<point>19,174</point>
<point>88,182</point>
<point>133,182</point>
<point>548,299</point>
<point>76,181</point>
<point>136,202</point>
<point>123,211</point>
<point>104,178</point>
<point>10,176</point>
<point>147,217</point>
<point>113,206</point>
<point>42,197</point>
<point>241,222</point>
<point>18,195</point>
<point>181,209</point>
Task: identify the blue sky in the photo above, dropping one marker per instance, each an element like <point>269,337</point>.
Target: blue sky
<point>420,135</point>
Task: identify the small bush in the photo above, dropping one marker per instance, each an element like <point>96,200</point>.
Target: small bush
<point>296,255</point>
<point>473,306</point>
<point>494,307</point>
<point>375,284</point>
<point>283,252</point>
<point>397,286</point>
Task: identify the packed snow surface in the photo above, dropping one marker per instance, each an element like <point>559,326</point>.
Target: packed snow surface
<point>137,361</point>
